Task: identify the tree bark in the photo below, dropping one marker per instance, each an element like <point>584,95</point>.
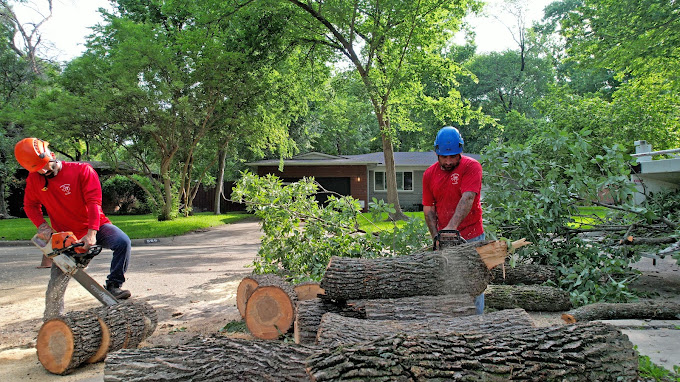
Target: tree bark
<point>537,298</point>
<point>66,342</point>
<point>219,188</point>
<point>335,330</point>
<point>660,310</point>
<point>454,270</point>
<point>526,274</point>
<point>416,307</point>
<point>583,352</point>
<point>308,315</point>
<point>211,359</point>
<point>248,285</point>
<point>270,310</point>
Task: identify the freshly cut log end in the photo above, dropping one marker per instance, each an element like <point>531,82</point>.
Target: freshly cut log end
<point>270,312</point>
<point>248,285</point>
<point>64,343</point>
<point>308,291</point>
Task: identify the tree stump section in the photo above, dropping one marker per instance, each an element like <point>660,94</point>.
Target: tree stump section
<point>248,285</point>
<point>453,270</point>
<point>211,359</point>
<point>659,310</point>
<point>414,308</point>
<point>537,298</point>
<point>270,311</point>
<point>582,352</point>
<point>523,274</point>
<point>335,330</point>
<point>64,343</point>
<point>308,291</point>
<point>308,315</point>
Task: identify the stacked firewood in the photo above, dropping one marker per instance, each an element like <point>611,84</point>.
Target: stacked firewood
<point>401,318</point>
<point>84,337</point>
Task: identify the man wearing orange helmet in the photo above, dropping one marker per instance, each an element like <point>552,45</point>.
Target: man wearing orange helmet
<point>72,195</point>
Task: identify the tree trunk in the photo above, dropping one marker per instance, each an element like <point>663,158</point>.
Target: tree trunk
<point>66,342</point>
<point>270,311</point>
<point>248,285</point>
<point>454,270</point>
<point>416,307</point>
<point>527,274</point>
<point>308,315</point>
<point>211,359</point>
<point>390,169</point>
<point>308,291</point>
<point>585,352</point>
<point>219,188</point>
<point>660,310</point>
<point>335,330</point>
<point>537,298</point>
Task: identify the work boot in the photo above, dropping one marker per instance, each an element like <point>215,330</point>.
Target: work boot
<point>119,294</point>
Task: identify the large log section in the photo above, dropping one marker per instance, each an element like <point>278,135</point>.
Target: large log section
<point>660,310</point>
<point>539,298</point>
<point>453,270</point>
<point>526,274</point>
<point>581,352</point>
<point>308,315</point>
<point>335,329</point>
<point>414,308</point>
<point>585,352</point>
<point>211,359</point>
<point>248,285</point>
<point>270,310</point>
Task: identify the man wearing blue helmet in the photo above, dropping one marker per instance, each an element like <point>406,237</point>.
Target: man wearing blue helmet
<point>451,192</point>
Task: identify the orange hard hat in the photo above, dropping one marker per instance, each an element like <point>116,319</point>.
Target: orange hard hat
<point>32,153</point>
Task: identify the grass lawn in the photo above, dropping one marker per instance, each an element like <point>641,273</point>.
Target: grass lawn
<point>589,215</point>
<point>136,226</point>
<point>382,224</point>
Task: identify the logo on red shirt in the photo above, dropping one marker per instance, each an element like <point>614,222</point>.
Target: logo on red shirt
<point>66,189</point>
<point>454,178</point>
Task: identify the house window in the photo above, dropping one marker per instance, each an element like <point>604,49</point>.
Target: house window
<point>404,181</point>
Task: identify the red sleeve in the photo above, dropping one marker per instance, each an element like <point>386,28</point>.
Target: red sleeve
<point>32,205</point>
<point>428,198</point>
<point>472,179</point>
<point>92,194</point>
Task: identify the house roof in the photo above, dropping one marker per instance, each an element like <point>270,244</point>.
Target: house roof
<point>401,158</point>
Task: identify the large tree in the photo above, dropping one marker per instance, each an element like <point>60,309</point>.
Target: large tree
<point>388,43</point>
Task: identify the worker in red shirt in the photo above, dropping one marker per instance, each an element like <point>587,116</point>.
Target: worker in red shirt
<point>451,192</point>
<point>72,195</point>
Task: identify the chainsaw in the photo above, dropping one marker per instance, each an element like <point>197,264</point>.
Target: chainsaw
<point>67,254</point>
<point>447,238</point>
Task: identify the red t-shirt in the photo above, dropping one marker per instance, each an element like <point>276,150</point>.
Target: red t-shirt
<point>444,189</point>
<point>73,199</point>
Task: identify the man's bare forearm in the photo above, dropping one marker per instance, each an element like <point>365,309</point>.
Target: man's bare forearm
<point>430,219</point>
<point>462,210</point>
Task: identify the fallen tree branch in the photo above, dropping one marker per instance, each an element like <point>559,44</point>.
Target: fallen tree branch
<point>632,310</point>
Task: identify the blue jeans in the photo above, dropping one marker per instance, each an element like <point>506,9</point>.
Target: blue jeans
<point>479,300</point>
<point>111,237</point>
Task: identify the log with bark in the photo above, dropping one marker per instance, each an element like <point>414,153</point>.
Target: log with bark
<point>582,352</point>
<point>270,310</point>
<point>416,307</point>
<point>308,315</point>
<point>335,330</point>
<point>539,298</point>
<point>66,342</point>
<point>211,359</point>
<point>248,285</point>
<point>308,290</point>
<point>660,310</point>
<point>524,274</point>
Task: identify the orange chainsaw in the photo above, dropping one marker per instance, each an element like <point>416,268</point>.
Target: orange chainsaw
<point>72,259</point>
<point>447,238</point>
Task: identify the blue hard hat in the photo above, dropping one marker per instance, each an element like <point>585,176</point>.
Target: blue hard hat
<point>448,141</point>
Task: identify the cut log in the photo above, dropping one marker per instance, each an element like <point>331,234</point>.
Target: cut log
<point>308,315</point>
<point>536,298</point>
<point>494,253</point>
<point>659,310</point>
<point>211,359</point>
<point>452,270</point>
<point>414,308</point>
<point>335,330</point>
<point>248,285</point>
<point>65,342</point>
<point>523,274</point>
<point>308,291</point>
<point>585,352</point>
<point>270,311</point>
